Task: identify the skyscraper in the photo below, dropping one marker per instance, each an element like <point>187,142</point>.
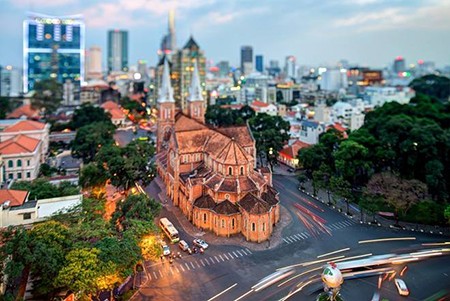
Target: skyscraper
<point>259,63</point>
<point>246,59</point>
<point>290,66</point>
<point>117,50</point>
<point>94,66</point>
<point>182,70</point>
<point>168,43</point>
<point>399,64</point>
<point>10,81</point>
<point>53,47</point>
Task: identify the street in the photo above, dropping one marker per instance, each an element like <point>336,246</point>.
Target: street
<point>228,271</point>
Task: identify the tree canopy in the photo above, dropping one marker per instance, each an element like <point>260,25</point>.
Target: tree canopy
<point>91,138</point>
<point>42,189</point>
<point>47,95</point>
<point>216,115</point>
<point>432,85</point>
<point>88,114</point>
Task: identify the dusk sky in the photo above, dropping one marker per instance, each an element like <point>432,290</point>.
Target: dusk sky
<point>367,32</point>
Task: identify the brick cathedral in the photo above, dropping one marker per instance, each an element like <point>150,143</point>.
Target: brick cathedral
<point>210,173</point>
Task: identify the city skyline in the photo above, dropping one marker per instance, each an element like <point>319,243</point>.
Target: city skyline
<point>367,32</point>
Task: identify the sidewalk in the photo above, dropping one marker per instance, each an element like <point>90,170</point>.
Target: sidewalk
<point>275,240</point>
<point>366,218</point>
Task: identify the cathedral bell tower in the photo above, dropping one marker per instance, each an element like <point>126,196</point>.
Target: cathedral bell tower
<point>196,103</point>
<point>166,109</point>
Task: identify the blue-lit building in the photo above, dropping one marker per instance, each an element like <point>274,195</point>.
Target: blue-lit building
<point>259,63</point>
<point>53,47</point>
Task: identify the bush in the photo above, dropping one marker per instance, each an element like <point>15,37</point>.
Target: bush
<point>426,212</point>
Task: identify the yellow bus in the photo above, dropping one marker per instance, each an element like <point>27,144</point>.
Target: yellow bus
<point>168,229</point>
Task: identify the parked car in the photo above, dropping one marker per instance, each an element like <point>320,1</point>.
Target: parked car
<point>291,170</point>
<point>183,245</point>
<point>401,287</point>
<point>200,243</point>
<point>166,250</point>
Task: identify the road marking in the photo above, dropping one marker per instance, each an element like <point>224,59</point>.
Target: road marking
<point>149,277</point>
<point>285,241</point>
<point>230,255</point>
<point>197,264</point>
<point>177,269</point>
<point>181,266</point>
<point>218,261</point>
<point>239,253</point>
<point>156,277</point>
<point>306,234</point>
<point>235,254</point>
<point>288,239</point>
<point>193,267</point>
<point>243,251</point>
<point>224,291</point>
<point>207,261</point>
<point>202,262</point>
<point>160,273</point>
<point>187,267</point>
<point>221,257</point>
<point>225,255</point>
<point>249,251</point>
<point>170,270</point>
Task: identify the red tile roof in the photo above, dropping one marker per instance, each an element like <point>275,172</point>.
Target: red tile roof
<point>338,127</point>
<point>15,197</point>
<point>25,110</point>
<point>291,151</point>
<point>19,144</point>
<point>25,125</point>
<point>259,104</point>
<point>109,105</point>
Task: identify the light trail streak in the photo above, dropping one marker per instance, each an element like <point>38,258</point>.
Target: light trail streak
<point>386,239</point>
<point>334,252</point>
<point>221,293</point>
<point>311,262</point>
<point>437,244</point>
<point>243,295</point>
<point>301,274</point>
<point>354,257</point>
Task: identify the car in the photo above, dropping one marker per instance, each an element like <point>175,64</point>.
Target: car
<point>401,287</point>
<point>183,245</point>
<point>200,243</point>
<point>166,250</point>
<point>291,170</point>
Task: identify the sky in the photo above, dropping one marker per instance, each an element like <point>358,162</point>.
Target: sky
<point>317,32</point>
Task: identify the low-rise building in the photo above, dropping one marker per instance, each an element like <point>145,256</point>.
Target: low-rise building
<point>118,117</point>
<point>262,107</point>
<point>288,155</point>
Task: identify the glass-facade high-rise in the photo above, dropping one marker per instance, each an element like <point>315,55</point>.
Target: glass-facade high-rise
<point>117,50</point>
<point>53,47</point>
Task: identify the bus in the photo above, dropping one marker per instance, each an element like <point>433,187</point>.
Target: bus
<point>170,231</point>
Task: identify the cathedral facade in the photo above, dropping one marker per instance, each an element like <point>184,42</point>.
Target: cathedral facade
<point>209,173</point>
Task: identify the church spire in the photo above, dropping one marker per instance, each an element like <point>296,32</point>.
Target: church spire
<point>195,91</point>
<point>165,93</point>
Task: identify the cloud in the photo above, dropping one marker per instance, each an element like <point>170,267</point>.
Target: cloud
<point>34,4</point>
<point>221,18</point>
<point>434,16</point>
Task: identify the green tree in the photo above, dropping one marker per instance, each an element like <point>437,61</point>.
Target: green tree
<point>447,213</point>
<point>135,207</point>
<point>398,193</point>
<point>271,133</point>
<point>47,95</point>
<point>81,272</point>
<point>91,175</point>
<point>433,86</point>
<point>312,157</point>
<point>88,114</point>
<point>352,162</point>
<point>90,139</point>
<point>5,107</point>
<point>41,188</point>
<point>49,244</point>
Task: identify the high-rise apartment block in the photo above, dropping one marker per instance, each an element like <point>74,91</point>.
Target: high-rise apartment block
<point>10,81</point>
<point>259,63</point>
<point>399,64</point>
<point>246,59</point>
<point>53,47</point>
<point>117,50</point>
<point>94,63</point>
<point>183,61</point>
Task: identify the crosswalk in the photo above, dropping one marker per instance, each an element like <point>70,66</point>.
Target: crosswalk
<point>305,235</point>
<point>194,262</point>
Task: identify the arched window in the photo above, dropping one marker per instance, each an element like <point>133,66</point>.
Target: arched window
<point>242,170</point>
<point>204,217</point>
<point>230,171</point>
<point>232,223</point>
<point>253,226</point>
<point>10,163</point>
<point>223,223</point>
<point>19,163</point>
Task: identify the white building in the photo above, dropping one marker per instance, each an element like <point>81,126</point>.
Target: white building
<point>350,114</point>
<point>334,80</point>
<point>310,131</point>
<point>322,113</point>
<point>378,96</point>
<point>10,81</point>
<point>261,107</point>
